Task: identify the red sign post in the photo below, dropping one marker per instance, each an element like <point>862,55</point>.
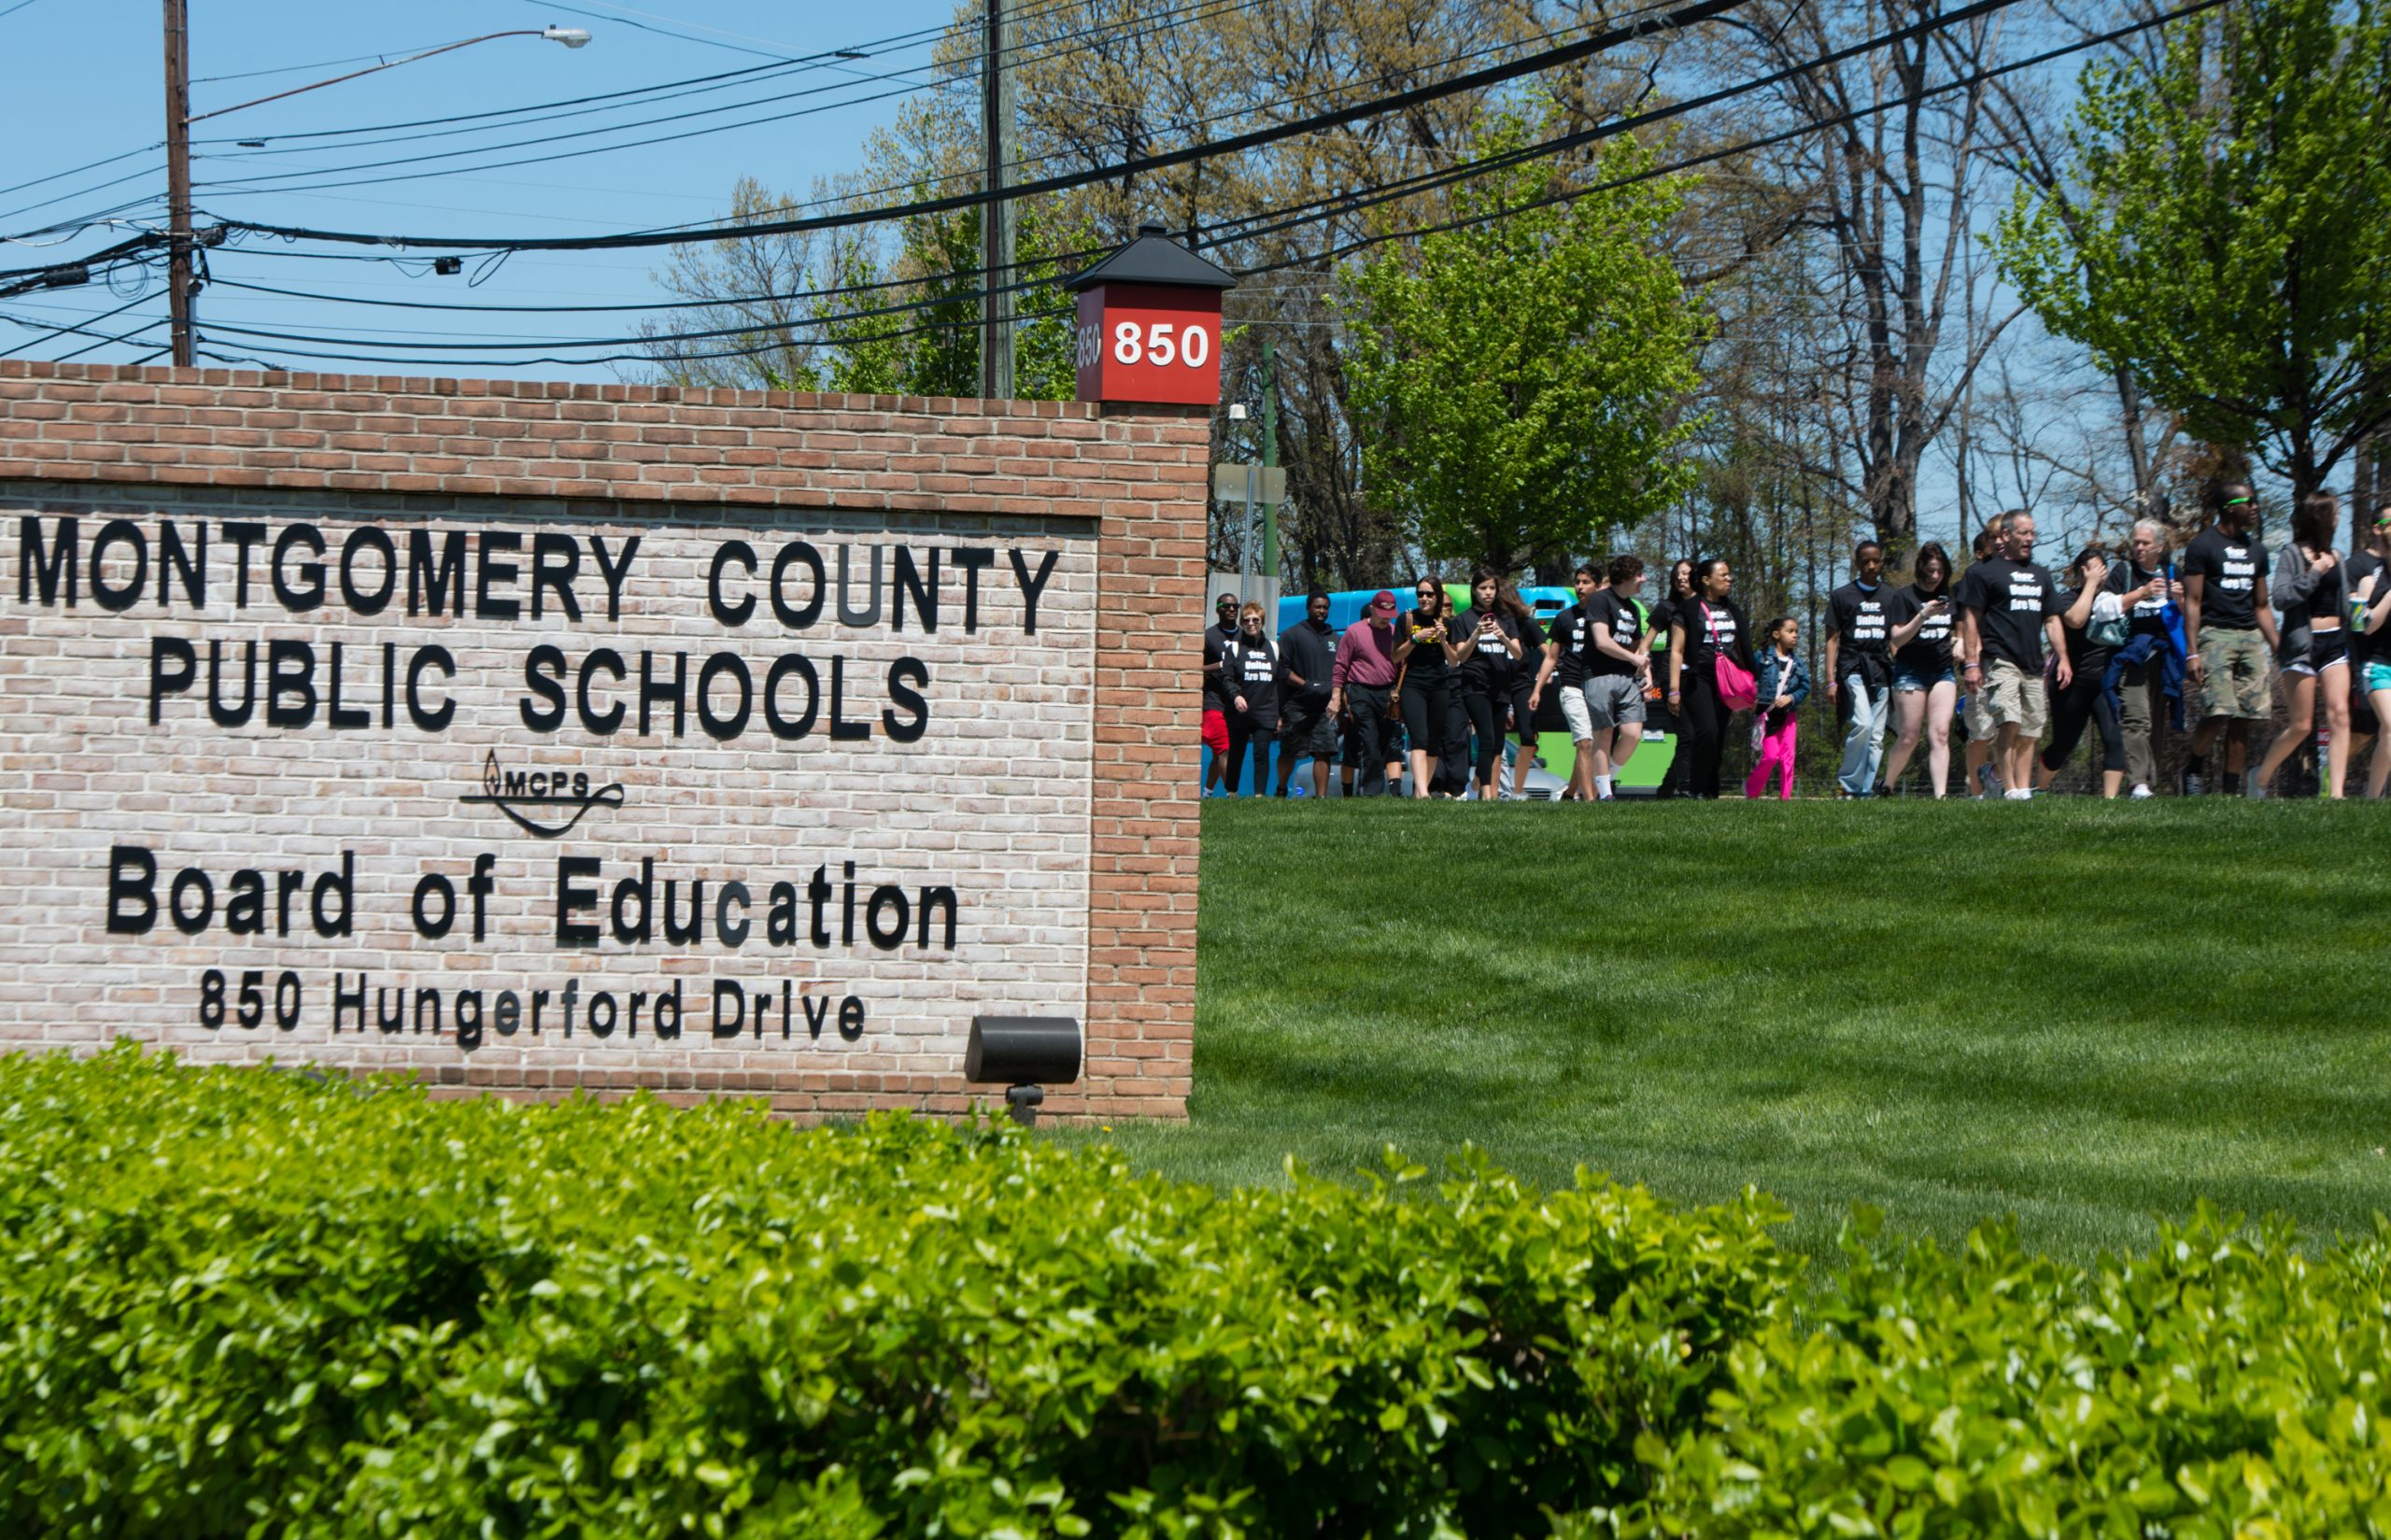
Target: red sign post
<point>1149,325</point>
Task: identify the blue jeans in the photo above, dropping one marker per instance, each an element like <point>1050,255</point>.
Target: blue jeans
<point>1863,744</point>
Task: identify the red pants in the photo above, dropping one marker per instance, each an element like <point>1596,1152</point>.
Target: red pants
<point>1776,755</point>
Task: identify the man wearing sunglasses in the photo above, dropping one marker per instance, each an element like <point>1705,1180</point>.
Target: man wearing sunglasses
<point>1216,701</point>
<point>2229,633</point>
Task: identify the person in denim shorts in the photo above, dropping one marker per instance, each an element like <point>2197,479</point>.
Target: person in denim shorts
<point>1926,687</point>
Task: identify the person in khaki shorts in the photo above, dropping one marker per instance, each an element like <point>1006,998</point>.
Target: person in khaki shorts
<point>2228,631</point>
<point>2008,612</point>
<point>1980,777</point>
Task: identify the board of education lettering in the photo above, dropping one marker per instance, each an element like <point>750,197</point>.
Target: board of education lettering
<point>314,780</point>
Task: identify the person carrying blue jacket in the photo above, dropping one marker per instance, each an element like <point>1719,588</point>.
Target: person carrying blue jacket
<point>2146,674</point>
<point>1784,683</point>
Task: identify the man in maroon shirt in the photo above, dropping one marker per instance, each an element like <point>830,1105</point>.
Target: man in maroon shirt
<point>1361,680</point>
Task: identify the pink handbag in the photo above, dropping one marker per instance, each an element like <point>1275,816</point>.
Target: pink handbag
<point>1738,691</point>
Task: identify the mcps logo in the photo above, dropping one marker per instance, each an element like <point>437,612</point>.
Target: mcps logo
<point>560,799</point>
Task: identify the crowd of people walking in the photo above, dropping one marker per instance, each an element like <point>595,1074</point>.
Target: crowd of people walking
<point>2029,664</point>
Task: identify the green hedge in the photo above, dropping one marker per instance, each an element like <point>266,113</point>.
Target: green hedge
<point>242,1302</point>
<point>2225,1384</point>
<point>252,1303</point>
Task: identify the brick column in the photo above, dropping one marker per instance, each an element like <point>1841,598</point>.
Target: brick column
<point>1150,609</point>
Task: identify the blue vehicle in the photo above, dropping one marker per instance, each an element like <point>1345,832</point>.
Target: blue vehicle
<point>1556,755</point>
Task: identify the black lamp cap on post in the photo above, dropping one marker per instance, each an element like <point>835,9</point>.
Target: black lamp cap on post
<point>1024,1055</point>
<point>1154,258</point>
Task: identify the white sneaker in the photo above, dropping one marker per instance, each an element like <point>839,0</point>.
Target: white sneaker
<point>2018,794</point>
<point>2253,789</point>
<point>2141,793</point>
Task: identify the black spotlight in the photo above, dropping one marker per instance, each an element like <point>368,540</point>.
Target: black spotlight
<point>1024,1055</point>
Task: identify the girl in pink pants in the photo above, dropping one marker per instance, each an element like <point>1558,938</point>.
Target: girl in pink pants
<point>1783,685</point>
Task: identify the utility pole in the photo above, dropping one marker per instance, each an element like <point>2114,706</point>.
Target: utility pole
<point>995,215</point>
<point>1270,460</point>
<point>179,250</point>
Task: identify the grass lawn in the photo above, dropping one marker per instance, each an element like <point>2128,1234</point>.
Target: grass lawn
<point>2084,1014</point>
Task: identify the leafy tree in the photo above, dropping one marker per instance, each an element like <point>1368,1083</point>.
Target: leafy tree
<point>2224,229</point>
<point>935,350</point>
<point>1521,378</point>
<point>908,322</point>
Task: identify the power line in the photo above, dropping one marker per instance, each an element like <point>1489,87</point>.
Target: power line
<point>321,63</point>
<point>62,331</point>
<point>652,353</point>
<point>718,80</point>
<point>88,166</point>
<point>1189,124</point>
<point>1799,131</point>
<point>1494,75</point>
<point>45,331</point>
<point>296,181</point>
<point>1249,226</point>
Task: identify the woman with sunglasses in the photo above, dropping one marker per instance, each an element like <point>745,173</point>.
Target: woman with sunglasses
<point>1706,625</point>
<point>1425,652</point>
<point>1250,678</point>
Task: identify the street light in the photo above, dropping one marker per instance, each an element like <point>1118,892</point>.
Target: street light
<point>178,120</point>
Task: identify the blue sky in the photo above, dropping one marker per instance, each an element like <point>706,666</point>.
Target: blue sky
<point>86,84</point>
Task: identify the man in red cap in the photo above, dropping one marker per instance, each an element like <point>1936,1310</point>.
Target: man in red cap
<point>1360,681</point>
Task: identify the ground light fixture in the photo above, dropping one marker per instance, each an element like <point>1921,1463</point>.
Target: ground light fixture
<point>1024,1055</point>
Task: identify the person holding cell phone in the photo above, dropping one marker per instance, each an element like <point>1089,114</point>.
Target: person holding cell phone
<point>1926,686</point>
<point>1425,651</point>
<point>1493,676</point>
<point>2092,625</point>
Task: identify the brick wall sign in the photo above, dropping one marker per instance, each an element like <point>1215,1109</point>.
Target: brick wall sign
<point>534,738</point>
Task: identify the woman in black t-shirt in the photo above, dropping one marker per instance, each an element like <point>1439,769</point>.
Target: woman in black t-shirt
<point>1926,688</point>
<point>1424,653</point>
<point>1249,682</point>
<point>1492,646</point>
<point>1707,624</point>
<point>2094,623</point>
<point>1660,716</point>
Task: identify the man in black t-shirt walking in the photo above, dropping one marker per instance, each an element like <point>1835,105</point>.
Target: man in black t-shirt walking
<point>2229,633</point>
<point>2008,610</point>
<point>1569,648</point>
<point>1617,667</point>
<point>1216,704</point>
<point>1859,667</point>
<point>1307,657</point>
